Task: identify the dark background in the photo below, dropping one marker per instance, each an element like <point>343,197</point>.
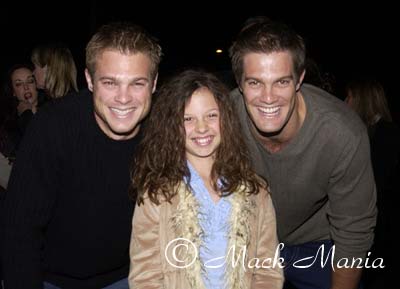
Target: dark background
<point>346,43</point>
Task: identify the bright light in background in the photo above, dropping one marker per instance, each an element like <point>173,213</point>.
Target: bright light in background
<point>218,51</point>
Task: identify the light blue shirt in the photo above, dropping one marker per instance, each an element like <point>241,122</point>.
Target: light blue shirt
<point>214,220</point>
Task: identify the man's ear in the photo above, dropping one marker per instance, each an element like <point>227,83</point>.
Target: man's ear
<point>301,78</point>
<point>154,83</point>
<point>89,80</point>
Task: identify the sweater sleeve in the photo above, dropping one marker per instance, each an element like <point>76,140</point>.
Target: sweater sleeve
<point>352,199</point>
<point>28,205</point>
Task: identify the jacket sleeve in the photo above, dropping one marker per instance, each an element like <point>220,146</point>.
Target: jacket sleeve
<point>27,207</point>
<point>352,199</point>
<point>145,267</point>
<point>267,246</point>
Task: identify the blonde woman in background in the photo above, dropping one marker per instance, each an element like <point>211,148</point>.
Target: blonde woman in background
<point>55,70</point>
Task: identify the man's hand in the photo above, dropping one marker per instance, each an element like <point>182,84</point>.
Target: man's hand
<point>25,105</point>
<point>346,278</point>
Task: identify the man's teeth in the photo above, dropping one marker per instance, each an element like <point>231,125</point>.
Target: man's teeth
<point>122,111</point>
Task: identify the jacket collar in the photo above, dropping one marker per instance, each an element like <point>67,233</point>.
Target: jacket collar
<point>186,224</point>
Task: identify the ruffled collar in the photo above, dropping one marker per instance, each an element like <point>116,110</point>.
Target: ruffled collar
<point>186,224</point>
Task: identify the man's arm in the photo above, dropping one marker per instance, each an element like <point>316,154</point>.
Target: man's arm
<point>352,208</point>
<point>27,207</point>
<point>346,278</point>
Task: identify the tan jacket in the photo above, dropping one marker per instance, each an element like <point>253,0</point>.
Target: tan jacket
<point>155,228</point>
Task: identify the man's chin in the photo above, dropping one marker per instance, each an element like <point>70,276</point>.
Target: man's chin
<point>125,132</point>
<point>269,130</point>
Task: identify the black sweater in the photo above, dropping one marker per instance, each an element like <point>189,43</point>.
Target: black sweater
<point>67,214</point>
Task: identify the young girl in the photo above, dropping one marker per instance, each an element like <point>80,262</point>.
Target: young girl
<point>203,218</point>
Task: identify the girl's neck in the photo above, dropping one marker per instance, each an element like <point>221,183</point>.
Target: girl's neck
<point>203,167</point>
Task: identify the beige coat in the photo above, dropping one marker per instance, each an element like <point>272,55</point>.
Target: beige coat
<point>252,226</point>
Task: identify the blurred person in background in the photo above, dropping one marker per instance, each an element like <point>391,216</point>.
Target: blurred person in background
<point>55,70</point>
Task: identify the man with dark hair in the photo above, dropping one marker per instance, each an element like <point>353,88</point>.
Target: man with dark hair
<point>314,153</point>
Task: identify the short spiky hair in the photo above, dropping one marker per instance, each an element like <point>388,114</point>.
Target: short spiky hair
<point>125,37</point>
<point>263,35</point>
<point>161,161</point>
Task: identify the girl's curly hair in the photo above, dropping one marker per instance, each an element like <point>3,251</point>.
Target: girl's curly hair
<point>160,163</point>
